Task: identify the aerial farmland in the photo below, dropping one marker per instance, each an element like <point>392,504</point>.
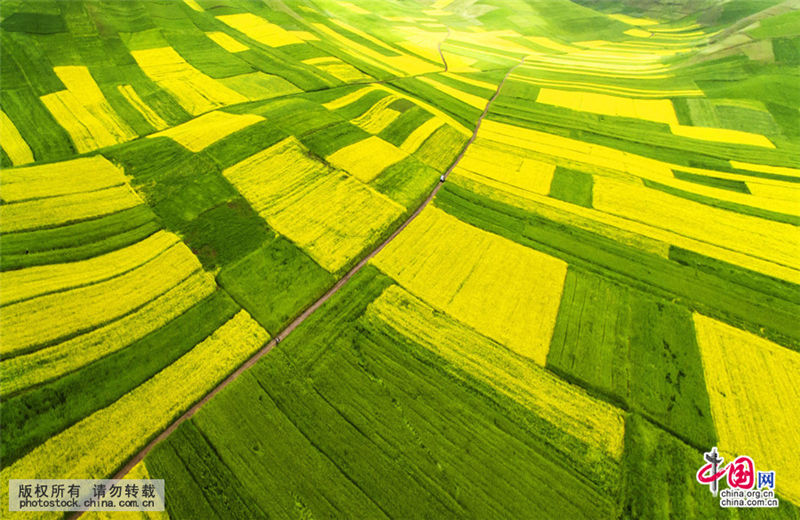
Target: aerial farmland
<point>468,259</point>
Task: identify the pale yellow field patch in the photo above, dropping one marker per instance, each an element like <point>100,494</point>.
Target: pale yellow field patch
<point>353,8</point>
<point>641,22</point>
<point>366,159</point>
<point>227,42</point>
<point>420,134</point>
<point>755,399</point>
<point>143,108</point>
<point>332,216</point>
<point>639,33</point>
<point>60,178</point>
<point>568,407</point>
<point>519,175</point>
<point>452,122</point>
<point>12,142</point>
<point>378,116</point>
<point>86,450</point>
<point>259,29</point>
<point>52,211</point>
<point>22,284</point>
<point>504,290</point>
<point>722,135</point>
<point>193,90</point>
<point>201,132</point>
<point>338,69</point>
<point>83,111</point>
<point>496,40</point>
<point>773,241</point>
<point>764,168</point>
<point>658,110</point>
<point>789,192</point>
<point>305,36</point>
<point>50,317</point>
<point>40,366</point>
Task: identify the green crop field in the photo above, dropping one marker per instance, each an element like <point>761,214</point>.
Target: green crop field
<point>487,259</point>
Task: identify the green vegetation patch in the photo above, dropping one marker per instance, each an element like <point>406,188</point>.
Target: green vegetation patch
<point>572,186</point>
<point>275,282</point>
<point>635,350</point>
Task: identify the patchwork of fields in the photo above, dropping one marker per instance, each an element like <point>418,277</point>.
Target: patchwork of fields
<point>604,287</point>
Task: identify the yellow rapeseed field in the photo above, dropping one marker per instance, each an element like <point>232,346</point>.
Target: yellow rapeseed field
<point>658,110</point>
<point>338,69</point>
<point>60,178</point>
<point>764,168</point>
<point>420,134</point>
<point>260,29</point>
<point>143,108</point>
<point>367,158</point>
<point>45,364</point>
<point>194,91</point>
<point>84,112</point>
<point>12,142</point>
<point>644,22</point>
<point>21,284</point>
<point>225,41</point>
<point>87,450</point>
<point>766,239</point>
<point>50,317</point>
<point>378,116</point>
<point>201,132</point>
<point>722,135</point>
<point>40,213</point>
<point>755,400</point>
<point>566,406</point>
<point>515,173</point>
<point>329,214</point>
<point>504,290</point>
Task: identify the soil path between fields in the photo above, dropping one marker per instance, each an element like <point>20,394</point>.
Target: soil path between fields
<point>316,305</point>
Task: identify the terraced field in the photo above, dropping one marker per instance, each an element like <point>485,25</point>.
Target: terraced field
<point>452,259</point>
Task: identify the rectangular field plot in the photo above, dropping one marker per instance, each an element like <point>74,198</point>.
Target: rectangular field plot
<point>755,403</point>
<point>203,131</point>
<point>506,291</point>
<point>331,215</point>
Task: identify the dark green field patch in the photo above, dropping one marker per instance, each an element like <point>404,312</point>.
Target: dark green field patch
<point>714,182</point>
<point>226,233</point>
<point>33,416</point>
<point>635,349</point>
<point>275,282</point>
<point>35,23</point>
<point>78,241</point>
<point>399,129</point>
<point>572,186</point>
<point>244,143</point>
<point>334,137</point>
<point>407,182</point>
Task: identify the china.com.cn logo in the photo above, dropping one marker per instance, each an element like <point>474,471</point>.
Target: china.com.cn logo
<point>745,484</point>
